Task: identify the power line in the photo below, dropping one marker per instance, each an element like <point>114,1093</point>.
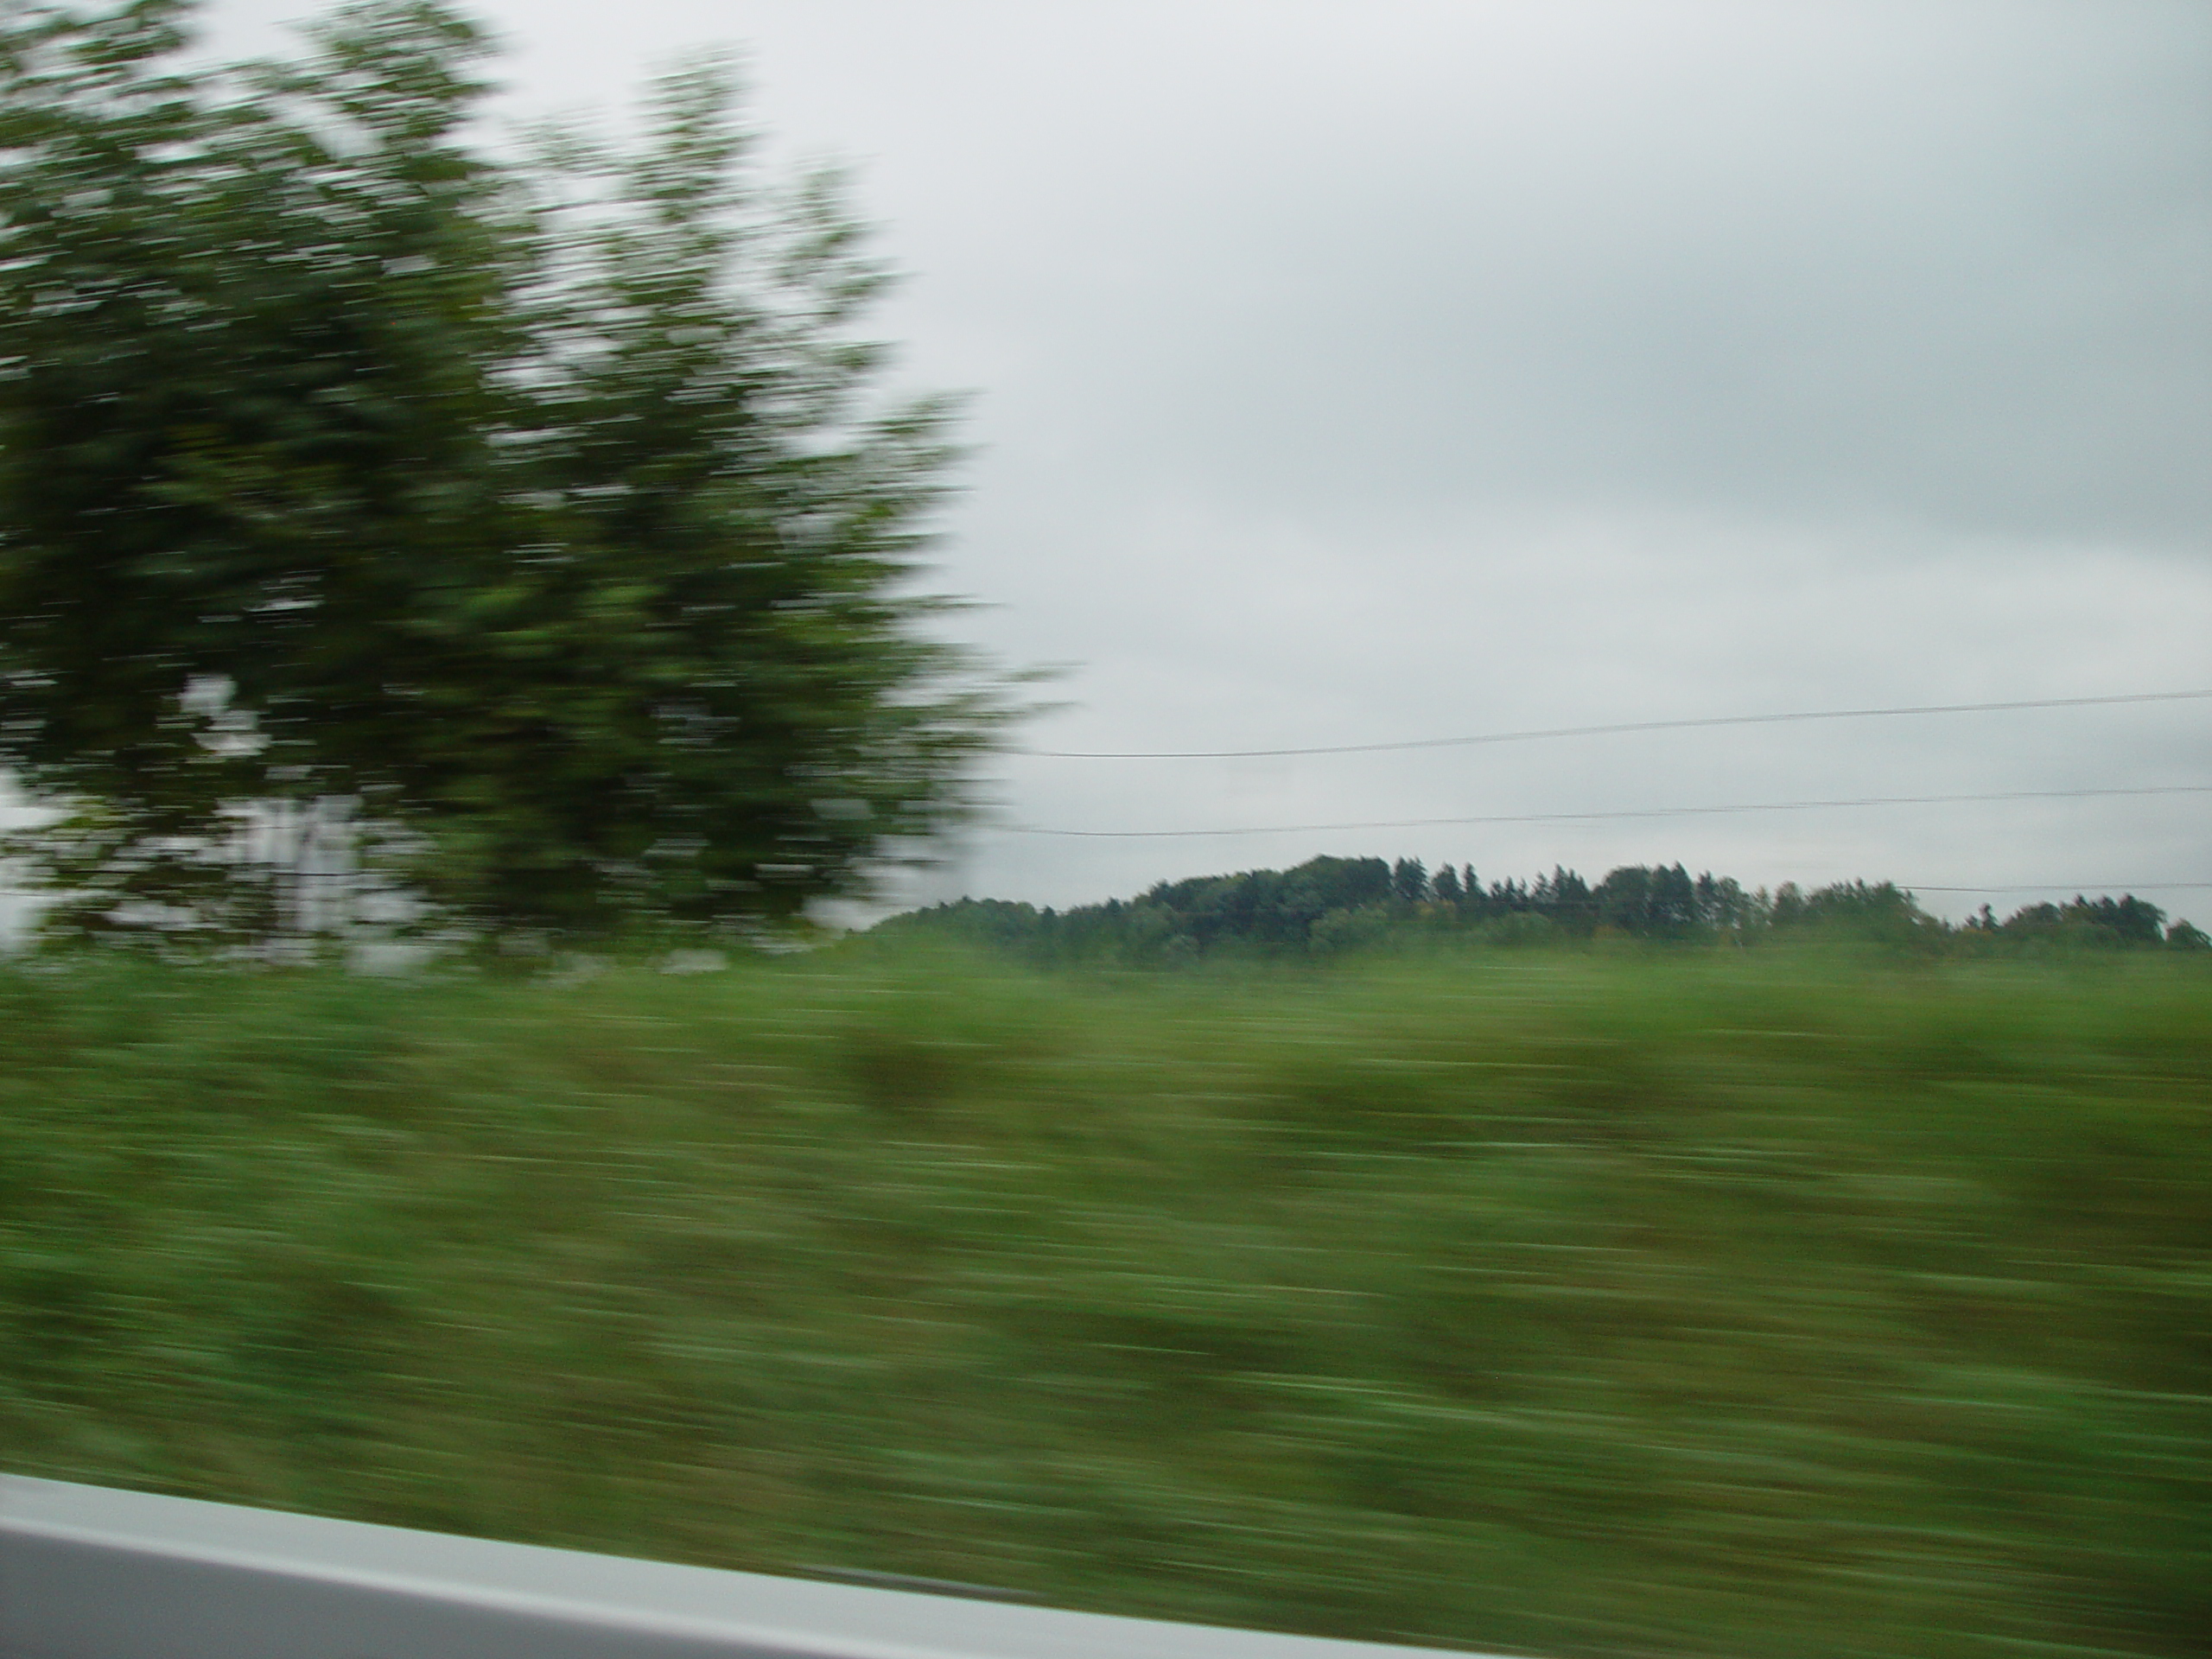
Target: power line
<point>1604,731</point>
<point>2061,887</point>
<point>1645,812</point>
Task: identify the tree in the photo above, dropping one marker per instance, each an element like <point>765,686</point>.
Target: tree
<point>1564,898</point>
<point>1656,901</point>
<point>2130,919</point>
<point>2101,921</point>
<point>1409,881</point>
<point>1882,911</point>
<point>1473,901</point>
<point>536,525</point>
<point>1446,886</point>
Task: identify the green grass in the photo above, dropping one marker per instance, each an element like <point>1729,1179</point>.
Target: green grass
<point>1571,1306</point>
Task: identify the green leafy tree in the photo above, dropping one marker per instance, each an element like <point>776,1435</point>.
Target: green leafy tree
<point>1881,911</point>
<point>2103,921</point>
<point>2130,919</point>
<point>533,532</point>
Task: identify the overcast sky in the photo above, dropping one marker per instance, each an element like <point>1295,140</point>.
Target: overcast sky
<point>1354,370</point>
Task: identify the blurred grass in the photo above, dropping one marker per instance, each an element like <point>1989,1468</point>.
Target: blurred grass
<point>1565,1305</point>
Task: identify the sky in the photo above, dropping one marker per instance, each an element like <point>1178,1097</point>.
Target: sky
<point>1352,371</point>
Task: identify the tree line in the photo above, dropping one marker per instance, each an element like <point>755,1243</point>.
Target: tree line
<point>1330,907</point>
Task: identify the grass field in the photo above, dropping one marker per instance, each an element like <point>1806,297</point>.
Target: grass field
<point>1731,1305</point>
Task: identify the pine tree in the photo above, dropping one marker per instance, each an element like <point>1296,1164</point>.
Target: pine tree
<point>1446,886</point>
<point>1409,881</point>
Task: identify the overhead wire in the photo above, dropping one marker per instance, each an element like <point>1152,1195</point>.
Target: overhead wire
<point>1617,727</point>
<point>2061,887</point>
<point>1641,812</point>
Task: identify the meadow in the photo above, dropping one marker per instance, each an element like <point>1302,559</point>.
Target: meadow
<point>1736,1304</point>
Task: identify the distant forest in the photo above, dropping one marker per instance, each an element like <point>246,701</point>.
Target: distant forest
<point>1330,907</point>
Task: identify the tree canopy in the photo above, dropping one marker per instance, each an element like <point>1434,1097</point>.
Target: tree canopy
<point>540,525</point>
<point>1327,907</point>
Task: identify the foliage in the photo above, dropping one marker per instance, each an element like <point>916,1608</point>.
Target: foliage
<point>1329,906</point>
<point>537,517</point>
<point>1742,1303</point>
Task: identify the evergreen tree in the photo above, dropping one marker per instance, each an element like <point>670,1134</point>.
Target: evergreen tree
<point>1568,897</point>
<point>1472,901</point>
<point>1409,881</point>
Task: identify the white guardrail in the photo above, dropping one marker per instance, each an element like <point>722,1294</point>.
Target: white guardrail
<point>91,1573</point>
